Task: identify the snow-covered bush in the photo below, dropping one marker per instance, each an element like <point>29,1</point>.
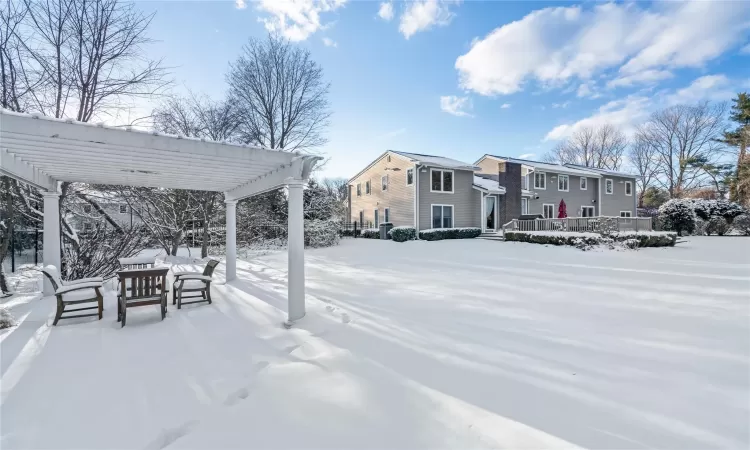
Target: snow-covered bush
<point>741,225</point>
<point>648,238</point>
<point>700,227</point>
<point>6,319</point>
<point>678,215</point>
<point>717,225</point>
<point>437,234</point>
<point>403,234</point>
<point>554,238</point>
<point>705,209</point>
<point>608,226</point>
<point>370,233</point>
<point>630,243</point>
<point>322,233</point>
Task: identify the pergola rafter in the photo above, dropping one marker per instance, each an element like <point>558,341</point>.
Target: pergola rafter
<point>43,151</point>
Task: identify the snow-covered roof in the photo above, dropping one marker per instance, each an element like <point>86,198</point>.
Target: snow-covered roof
<point>603,171</point>
<point>437,161</point>
<point>43,151</point>
<point>548,167</point>
<point>487,184</point>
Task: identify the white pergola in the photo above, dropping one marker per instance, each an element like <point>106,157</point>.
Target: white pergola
<point>43,152</point>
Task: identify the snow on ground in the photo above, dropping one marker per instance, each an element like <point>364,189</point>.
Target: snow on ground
<point>450,344</point>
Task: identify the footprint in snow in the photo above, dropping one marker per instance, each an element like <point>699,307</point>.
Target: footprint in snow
<point>236,396</point>
<point>169,435</point>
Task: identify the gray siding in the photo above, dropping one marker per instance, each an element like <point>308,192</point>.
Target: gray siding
<point>398,198</point>
<point>465,200</point>
<point>612,204</point>
<point>575,198</point>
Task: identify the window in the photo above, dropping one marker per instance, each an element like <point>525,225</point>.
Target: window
<point>387,215</point>
<point>525,182</point>
<point>87,209</point>
<point>626,214</point>
<point>384,182</point>
<point>389,158</point>
<point>87,226</point>
<point>540,180</point>
<point>563,183</point>
<point>409,176</point>
<point>123,209</point>
<point>609,187</point>
<point>377,218</point>
<point>442,216</point>
<point>584,183</point>
<point>548,210</point>
<point>359,189</point>
<point>367,187</point>
<point>441,181</point>
<point>629,188</point>
<point>587,211</point>
<point>524,205</point>
<point>361,218</point>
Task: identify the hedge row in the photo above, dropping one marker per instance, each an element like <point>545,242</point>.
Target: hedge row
<point>643,239</point>
<point>403,234</point>
<point>370,233</point>
<point>437,234</point>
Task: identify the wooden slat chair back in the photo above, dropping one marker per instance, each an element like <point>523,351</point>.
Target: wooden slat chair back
<point>189,282</point>
<point>86,290</point>
<point>141,287</point>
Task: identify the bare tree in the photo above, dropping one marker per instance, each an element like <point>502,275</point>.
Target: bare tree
<point>685,138</point>
<point>601,147</point>
<point>282,95</point>
<point>643,158</point>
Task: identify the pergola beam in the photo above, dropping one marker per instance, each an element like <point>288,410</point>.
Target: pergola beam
<point>299,169</point>
<point>15,167</point>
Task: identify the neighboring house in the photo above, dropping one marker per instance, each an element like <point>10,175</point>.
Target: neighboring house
<point>428,191</point>
<point>83,216</point>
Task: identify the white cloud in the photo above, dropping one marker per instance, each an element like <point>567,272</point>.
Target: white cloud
<point>625,114</point>
<point>561,105</point>
<point>296,20</point>
<point>386,11</point>
<point>240,4</point>
<point>644,77</point>
<point>505,106</point>
<point>527,156</point>
<point>421,15</point>
<point>745,49</point>
<point>328,42</point>
<point>458,106</point>
<point>556,45</point>
<point>709,87</point>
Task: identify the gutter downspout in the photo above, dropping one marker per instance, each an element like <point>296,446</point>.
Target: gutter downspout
<point>599,189</point>
<point>416,199</point>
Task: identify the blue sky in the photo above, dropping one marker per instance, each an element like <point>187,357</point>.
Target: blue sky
<point>464,78</point>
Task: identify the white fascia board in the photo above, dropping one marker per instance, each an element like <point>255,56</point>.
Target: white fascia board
<point>16,168</point>
<point>297,171</point>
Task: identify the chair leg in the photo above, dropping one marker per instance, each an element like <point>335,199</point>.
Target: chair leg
<point>174,293</point>
<point>100,300</point>
<point>163,307</point>
<point>208,292</point>
<point>203,294</point>
<point>124,315</point>
<point>59,311</point>
<point>179,296</point>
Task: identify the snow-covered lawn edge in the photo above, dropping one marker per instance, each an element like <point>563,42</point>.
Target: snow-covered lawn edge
<point>629,239</point>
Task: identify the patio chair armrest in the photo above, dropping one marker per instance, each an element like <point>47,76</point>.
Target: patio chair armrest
<point>85,280</point>
<point>78,287</point>
<point>182,274</point>
<point>196,276</point>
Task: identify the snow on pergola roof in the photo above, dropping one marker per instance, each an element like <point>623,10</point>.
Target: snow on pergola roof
<point>41,151</point>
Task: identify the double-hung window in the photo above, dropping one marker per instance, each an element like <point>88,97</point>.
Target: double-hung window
<point>548,210</point>
<point>387,215</point>
<point>361,219</point>
<point>123,209</point>
<point>540,180</point>
<point>584,183</point>
<point>563,183</point>
<point>609,186</point>
<point>441,181</point>
<point>409,177</point>
<point>587,211</point>
<point>442,216</point>
<point>367,187</point>
<point>359,189</point>
<point>384,182</point>
<point>629,188</point>
<point>626,214</point>
<point>377,218</point>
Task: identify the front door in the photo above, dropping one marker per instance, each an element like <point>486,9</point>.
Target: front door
<point>489,213</point>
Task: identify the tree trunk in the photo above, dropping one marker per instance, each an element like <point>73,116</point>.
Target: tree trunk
<point>176,238</point>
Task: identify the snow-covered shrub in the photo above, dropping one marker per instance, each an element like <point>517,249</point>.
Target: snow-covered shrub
<point>6,319</point>
<point>741,225</point>
<point>717,225</point>
<point>608,226</point>
<point>403,234</point>
<point>630,243</point>
<point>700,227</point>
<point>705,209</point>
<point>648,238</point>
<point>437,234</point>
<point>322,233</point>
<point>678,215</point>
<point>554,238</point>
<point>370,233</point>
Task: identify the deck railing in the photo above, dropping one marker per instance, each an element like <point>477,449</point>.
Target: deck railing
<point>582,224</point>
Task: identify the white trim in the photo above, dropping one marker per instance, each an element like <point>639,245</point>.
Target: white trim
<point>593,210</point>
<point>384,187</point>
<point>544,175</point>
<point>412,176</point>
<point>525,178</point>
<point>605,186</point>
<point>553,210</point>
<point>527,205</point>
<point>453,181</point>
<point>386,215</point>
<point>560,177</point>
<point>629,216</point>
<point>583,181</point>
<point>453,215</point>
<point>629,183</point>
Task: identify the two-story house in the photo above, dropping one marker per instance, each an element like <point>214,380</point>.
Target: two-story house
<point>427,191</point>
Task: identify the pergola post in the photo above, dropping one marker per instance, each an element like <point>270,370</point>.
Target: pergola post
<point>296,251</point>
<point>51,235</point>
<point>231,238</point>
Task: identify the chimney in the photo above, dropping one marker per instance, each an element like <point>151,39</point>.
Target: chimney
<point>509,176</point>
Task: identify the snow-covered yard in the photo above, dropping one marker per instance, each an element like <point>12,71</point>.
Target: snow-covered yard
<point>452,344</point>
